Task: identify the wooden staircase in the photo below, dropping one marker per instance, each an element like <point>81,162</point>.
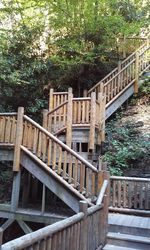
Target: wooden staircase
<point>63,153</point>
<point>80,122</point>
<point>52,162</point>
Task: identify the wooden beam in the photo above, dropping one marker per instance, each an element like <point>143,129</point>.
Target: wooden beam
<point>71,199</point>
<point>26,229</point>
<point>7,224</point>
<point>31,215</point>
<point>18,141</point>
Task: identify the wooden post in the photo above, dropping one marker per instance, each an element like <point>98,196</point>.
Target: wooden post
<point>124,47</point>
<point>85,93</point>
<point>99,181</point>
<point>92,121</point>
<point>1,237</point>
<point>69,118</point>
<point>84,227</point>
<point>51,99</point>
<point>18,140</point>
<point>106,176</point>
<point>136,73</point>
<point>45,118</point>
<point>102,88</point>
<point>102,104</point>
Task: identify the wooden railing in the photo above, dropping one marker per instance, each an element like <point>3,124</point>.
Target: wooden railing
<point>129,193</point>
<point>77,112</point>
<point>126,74</point>
<point>60,158</point>
<point>86,230</point>
<point>29,136</point>
<point>57,98</point>
<point>8,127</point>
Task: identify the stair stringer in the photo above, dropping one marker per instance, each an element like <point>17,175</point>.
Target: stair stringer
<point>51,180</point>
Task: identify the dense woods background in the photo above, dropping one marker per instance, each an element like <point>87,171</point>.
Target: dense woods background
<point>60,43</point>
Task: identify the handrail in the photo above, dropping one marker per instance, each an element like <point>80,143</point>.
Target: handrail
<point>64,146</point>
<point>8,114</point>
<point>43,233</point>
<point>129,178</point>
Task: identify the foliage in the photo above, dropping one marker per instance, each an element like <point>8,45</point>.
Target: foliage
<point>60,44</point>
<point>124,147</point>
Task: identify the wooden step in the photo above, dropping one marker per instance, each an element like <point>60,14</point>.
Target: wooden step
<point>129,241</point>
<point>129,224</point>
<point>112,247</point>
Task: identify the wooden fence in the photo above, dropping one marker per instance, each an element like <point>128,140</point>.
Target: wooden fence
<point>86,230</point>
<point>129,193</point>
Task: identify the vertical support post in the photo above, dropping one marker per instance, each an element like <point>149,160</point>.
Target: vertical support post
<point>1,237</point>
<point>46,126</point>
<point>18,141</point>
<point>84,227</point>
<point>100,179</point>
<point>102,104</point>
<point>43,199</point>
<point>102,88</point>
<point>136,73</point>
<point>92,121</point>
<point>45,118</point>
<point>51,99</point>
<point>15,191</point>
<point>69,118</point>
<point>85,93</point>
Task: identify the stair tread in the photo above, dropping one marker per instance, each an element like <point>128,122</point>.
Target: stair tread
<point>129,237</point>
<point>113,247</point>
<point>129,221</point>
